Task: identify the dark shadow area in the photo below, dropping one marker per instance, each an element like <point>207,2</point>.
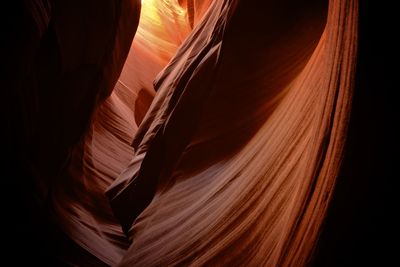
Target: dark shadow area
<point>142,104</point>
<point>51,87</point>
<point>361,226</point>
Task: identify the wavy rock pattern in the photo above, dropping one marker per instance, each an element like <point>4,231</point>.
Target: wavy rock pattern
<point>234,161</point>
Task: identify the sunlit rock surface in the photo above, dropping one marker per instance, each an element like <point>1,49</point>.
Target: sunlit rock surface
<point>235,147</point>
<point>238,154</point>
<point>219,143</point>
<point>83,211</point>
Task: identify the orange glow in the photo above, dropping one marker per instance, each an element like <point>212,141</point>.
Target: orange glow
<point>163,27</point>
<point>240,146</point>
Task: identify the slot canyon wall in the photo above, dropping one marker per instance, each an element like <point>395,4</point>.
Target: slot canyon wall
<point>176,133</point>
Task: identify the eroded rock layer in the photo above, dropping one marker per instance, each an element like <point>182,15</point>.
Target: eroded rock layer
<point>219,143</point>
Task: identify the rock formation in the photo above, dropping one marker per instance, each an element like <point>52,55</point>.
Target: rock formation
<point>178,133</point>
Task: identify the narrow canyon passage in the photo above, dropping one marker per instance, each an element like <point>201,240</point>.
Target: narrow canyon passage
<point>83,211</point>
<point>271,95</point>
<point>189,132</point>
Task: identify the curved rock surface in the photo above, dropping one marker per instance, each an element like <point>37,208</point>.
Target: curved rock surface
<point>216,141</point>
